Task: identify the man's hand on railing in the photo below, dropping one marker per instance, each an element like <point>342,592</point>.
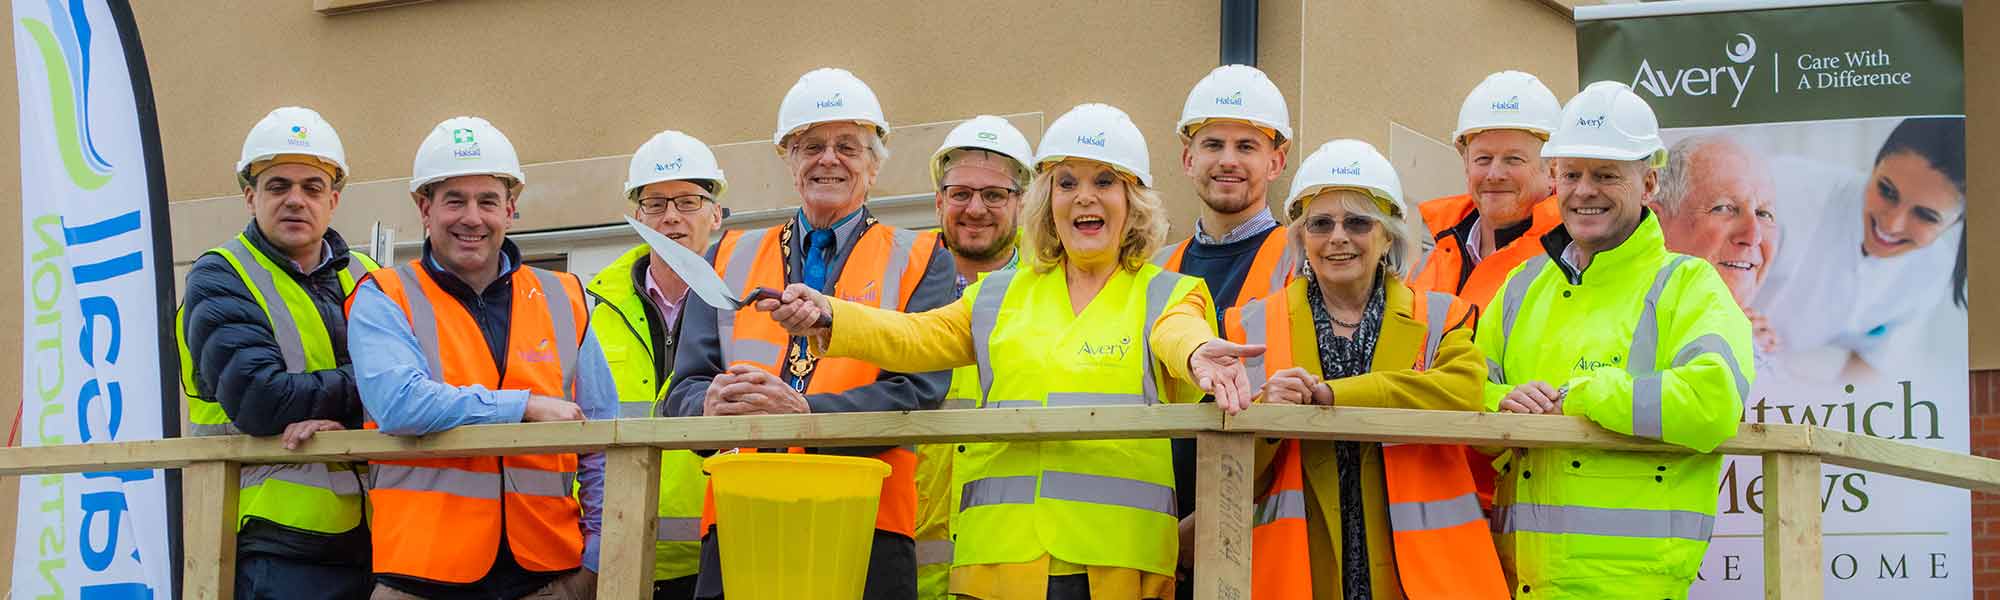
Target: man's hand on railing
<point>296,434</point>
<point>1533,398</point>
<point>544,408</point>
<point>745,390</point>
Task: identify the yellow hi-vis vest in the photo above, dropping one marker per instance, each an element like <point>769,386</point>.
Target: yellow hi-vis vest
<point>316,497</point>
<point>625,334</point>
<point>1645,343</point>
<point>936,502</point>
<point>1092,503</point>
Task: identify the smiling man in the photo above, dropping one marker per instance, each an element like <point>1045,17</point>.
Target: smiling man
<point>830,135</point>
<point>1717,203</point>
<point>264,352</point>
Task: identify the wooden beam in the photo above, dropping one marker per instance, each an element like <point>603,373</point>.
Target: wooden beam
<point>208,529</point>
<point>930,426</point>
<point>1792,527</point>
<point>1485,429</point>
<point>341,7</point>
<point>631,510</point>
<point>1223,516</point>
<point>1890,457</point>
<point>330,446</point>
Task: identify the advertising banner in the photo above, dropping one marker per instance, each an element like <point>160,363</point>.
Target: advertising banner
<point>95,293</point>
<point>1817,159</point>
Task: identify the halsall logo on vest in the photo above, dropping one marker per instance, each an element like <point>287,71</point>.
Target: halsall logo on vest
<point>1586,364</point>
<point>1105,352</point>
<point>544,352</point>
<point>869,295</point>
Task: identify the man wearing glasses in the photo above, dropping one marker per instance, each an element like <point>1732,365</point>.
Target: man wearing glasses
<point>674,184</point>
<point>979,173</point>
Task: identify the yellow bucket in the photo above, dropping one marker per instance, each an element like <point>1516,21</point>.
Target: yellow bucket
<point>795,525</point>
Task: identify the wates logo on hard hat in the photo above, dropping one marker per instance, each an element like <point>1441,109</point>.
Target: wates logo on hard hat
<point>1353,168</point>
<point>1509,104</point>
<point>1235,99</point>
<point>1730,79</point>
<point>833,102</point>
<point>671,167</point>
<point>468,146</point>
<point>298,137</point>
<point>988,136</point>
<point>1591,122</point>
<point>64,46</point>
<point>1091,140</point>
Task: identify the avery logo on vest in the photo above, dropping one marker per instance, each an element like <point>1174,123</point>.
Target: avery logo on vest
<point>1511,103</point>
<point>1586,364</point>
<point>1091,140</point>
<point>1235,99</point>
<point>867,295</point>
<point>1105,352</point>
<point>833,102</point>
<point>544,352</point>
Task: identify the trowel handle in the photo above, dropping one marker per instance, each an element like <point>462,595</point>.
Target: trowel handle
<point>764,293</point>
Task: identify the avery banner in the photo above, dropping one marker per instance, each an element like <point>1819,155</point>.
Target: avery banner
<point>1817,159</point>
<point>94,292</point>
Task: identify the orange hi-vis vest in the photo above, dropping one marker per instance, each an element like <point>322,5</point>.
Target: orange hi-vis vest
<point>883,269</point>
<point>1442,544</point>
<point>1274,266</point>
<point>442,519</point>
<point>1444,271</point>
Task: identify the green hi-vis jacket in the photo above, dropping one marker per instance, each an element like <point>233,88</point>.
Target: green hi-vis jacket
<point>1646,343</point>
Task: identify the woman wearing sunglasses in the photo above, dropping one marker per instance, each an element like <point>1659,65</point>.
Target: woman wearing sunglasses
<point>1353,520</point>
<point>1087,322</point>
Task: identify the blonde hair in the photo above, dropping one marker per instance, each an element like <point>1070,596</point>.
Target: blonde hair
<point>1357,202</point>
<point>1145,223</point>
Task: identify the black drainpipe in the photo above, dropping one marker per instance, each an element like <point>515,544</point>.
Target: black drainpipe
<point>1239,32</point>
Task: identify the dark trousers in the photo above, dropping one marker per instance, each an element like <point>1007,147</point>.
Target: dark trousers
<point>892,568</point>
<point>679,588</point>
<point>266,577</point>
<point>1070,587</point>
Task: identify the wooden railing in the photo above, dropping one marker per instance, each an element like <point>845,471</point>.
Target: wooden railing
<point>1792,456</point>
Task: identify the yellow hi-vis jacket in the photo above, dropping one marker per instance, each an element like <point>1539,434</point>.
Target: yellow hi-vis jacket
<point>1646,343</point>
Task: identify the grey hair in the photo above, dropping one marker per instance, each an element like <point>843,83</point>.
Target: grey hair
<point>1401,245</point>
<point>1677,178</point>
<point>877,146</point>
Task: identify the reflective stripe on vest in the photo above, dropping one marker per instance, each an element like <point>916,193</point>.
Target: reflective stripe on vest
<point>436,518</point>
<point>676,529</point>
<point>1616,522</point>
<point>933,552</point>
<point>1072,487</point>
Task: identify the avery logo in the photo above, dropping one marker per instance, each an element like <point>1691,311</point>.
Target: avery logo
<point>1591,122</point>
<point>833,102</point>
<point>988,136</point>
<point>1586,364</point>
<point>671,167</point>
<point>1353,168</point>
<point>1235,99</point>
<point>1510,104</point>
<point>65,58</point>
<point>298,137</point>
<point>1091,140</point>
<point>1106,352</point>
<point>1731,79</point>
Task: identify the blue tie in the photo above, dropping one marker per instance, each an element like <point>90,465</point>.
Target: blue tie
<point>818,243</point>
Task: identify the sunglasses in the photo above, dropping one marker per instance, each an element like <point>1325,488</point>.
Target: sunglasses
<point>1325,224</point>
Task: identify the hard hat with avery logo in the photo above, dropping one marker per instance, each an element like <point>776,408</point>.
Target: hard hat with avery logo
<point>1607,121</point>
<point>984,132</point>
<point>1236,93</point>
<point>674,156</point>
<point>1098,132</point>
<point>462,146</point>
<point>1508,100</point>
<point>1347,164</point>
<point>827,95</point>
<point>292,130</point>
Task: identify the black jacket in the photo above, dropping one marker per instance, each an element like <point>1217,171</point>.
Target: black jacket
<point>236,358</point>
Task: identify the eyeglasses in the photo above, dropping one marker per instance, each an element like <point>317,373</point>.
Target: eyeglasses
<point>1324,224</point>
<point>655,206</point>
<point>992,197</point>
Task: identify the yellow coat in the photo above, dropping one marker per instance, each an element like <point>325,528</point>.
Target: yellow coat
<point>1454,382</point>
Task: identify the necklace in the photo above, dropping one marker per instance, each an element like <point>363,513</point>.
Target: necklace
<point>1336,321</point>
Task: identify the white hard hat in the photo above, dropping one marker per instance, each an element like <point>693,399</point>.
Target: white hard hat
<point>673,156</point>
<point>1237,93</point>
<point>984,132</point>
<point>292,130</point>
<point>827,95</point>
<point>1098,132</point>
<point>1508,100</point>
<point>1347,164</point>
<point>1607,121</point>
<point>465,146</point>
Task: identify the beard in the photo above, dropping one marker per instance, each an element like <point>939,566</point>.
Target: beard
<point>1000,245</point>
<point>1227,205</point>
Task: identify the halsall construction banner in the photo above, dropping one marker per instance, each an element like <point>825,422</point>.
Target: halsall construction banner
<point>1817,159</point>
<point>95,292</point>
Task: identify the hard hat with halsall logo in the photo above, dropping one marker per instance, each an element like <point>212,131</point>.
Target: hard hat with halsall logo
<point>462,146</point>
<point>1607,121</point>
<point>1236,93</point>
<point>1098,132</point>
<point>827,95</point>
<point>674,156</point>
<point>1350,165</point>
<point>1508,100</point>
